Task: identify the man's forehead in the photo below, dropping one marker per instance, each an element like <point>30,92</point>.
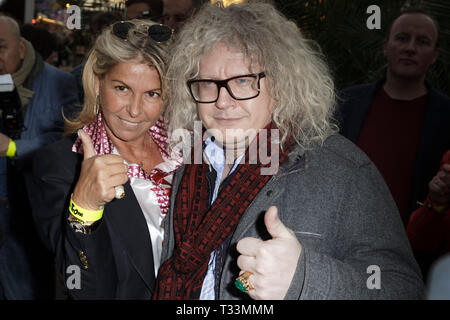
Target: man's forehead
<point>138,6</point>
<point>6,37</point>
<point>417,22</point>
<point>7,31</point>
<point>177,6</point>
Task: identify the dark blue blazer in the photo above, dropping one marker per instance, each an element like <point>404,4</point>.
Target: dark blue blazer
<point>354,105</point>
<point>118,258</point>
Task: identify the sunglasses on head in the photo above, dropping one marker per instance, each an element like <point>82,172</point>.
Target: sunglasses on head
<point>157,32</point>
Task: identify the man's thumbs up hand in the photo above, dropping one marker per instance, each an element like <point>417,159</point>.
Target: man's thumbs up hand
<point>275,227</point>
<point>272,262</point>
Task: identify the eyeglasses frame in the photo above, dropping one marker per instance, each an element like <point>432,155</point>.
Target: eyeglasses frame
<point>224,84</point>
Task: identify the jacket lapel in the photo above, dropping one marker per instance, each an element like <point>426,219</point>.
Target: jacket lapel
<point>358,112</point>
<point>169,235</point>
<point>425,150</point>
<point>295,161</point>
<point>127,219</point>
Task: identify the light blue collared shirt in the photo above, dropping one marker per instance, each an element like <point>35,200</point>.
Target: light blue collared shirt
<point>216,157</point>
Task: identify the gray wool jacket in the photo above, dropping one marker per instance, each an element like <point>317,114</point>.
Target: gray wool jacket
<point>353,242</point>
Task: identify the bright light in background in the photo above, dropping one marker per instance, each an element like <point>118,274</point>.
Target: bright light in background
<point>67,5</point>
<point>228,2</point>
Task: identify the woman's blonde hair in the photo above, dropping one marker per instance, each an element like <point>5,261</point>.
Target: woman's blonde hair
<point>108,51</point>
<point>299,80</point>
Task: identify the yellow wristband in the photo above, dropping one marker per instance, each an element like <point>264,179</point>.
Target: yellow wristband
<point>11,152</point>
<point>438,208</point>
<point>84,214</point>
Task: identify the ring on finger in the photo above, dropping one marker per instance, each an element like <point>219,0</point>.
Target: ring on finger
<point>120,192</point>
<point>243,282</point>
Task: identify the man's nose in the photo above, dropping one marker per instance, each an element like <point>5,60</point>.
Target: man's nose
<point>410,46</point>
<point>224,100</point>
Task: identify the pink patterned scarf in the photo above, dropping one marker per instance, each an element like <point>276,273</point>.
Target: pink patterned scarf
<point>103,145</point>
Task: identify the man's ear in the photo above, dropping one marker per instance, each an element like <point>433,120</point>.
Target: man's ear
<point>22,49</point>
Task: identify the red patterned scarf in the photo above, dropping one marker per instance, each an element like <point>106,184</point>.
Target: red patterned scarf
<point>199,231</point>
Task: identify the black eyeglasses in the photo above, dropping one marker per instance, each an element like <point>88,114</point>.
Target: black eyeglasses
<point>157,32</point>
<point>242,87</point>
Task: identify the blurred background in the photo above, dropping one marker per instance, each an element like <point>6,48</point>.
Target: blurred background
<point>353,51</point>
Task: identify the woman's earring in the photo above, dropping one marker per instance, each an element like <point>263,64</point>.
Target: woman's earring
<point>97,105</point>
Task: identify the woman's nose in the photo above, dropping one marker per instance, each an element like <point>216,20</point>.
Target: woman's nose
<point>134,107</point>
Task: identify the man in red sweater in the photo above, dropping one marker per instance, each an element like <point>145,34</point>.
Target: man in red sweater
<point>400,121</point>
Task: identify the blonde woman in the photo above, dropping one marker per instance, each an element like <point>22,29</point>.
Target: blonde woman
<point>102,194</point>
<point>314,226</point>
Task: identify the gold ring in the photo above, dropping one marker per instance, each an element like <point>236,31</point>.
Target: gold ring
<point>243,283</point>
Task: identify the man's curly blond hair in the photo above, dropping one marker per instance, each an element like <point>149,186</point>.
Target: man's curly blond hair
<point>299,80</point>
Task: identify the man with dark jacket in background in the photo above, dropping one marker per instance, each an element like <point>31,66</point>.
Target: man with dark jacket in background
<point>401,122</point>
<point>41,94</point>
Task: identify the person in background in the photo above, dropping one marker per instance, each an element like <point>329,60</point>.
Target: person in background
<point>42,93</point>
<point>102,194</point>
<point>176,12</point>
<point>144,9</point>
<point>429,226</point>
<point>42,40</point>
<point>400,121</point>
<point>98,23</point>
<point>273,204</point>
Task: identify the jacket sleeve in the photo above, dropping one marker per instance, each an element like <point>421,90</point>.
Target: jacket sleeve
<point>55,172</point>
<point>370,258</point>
<point>426,227</point>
